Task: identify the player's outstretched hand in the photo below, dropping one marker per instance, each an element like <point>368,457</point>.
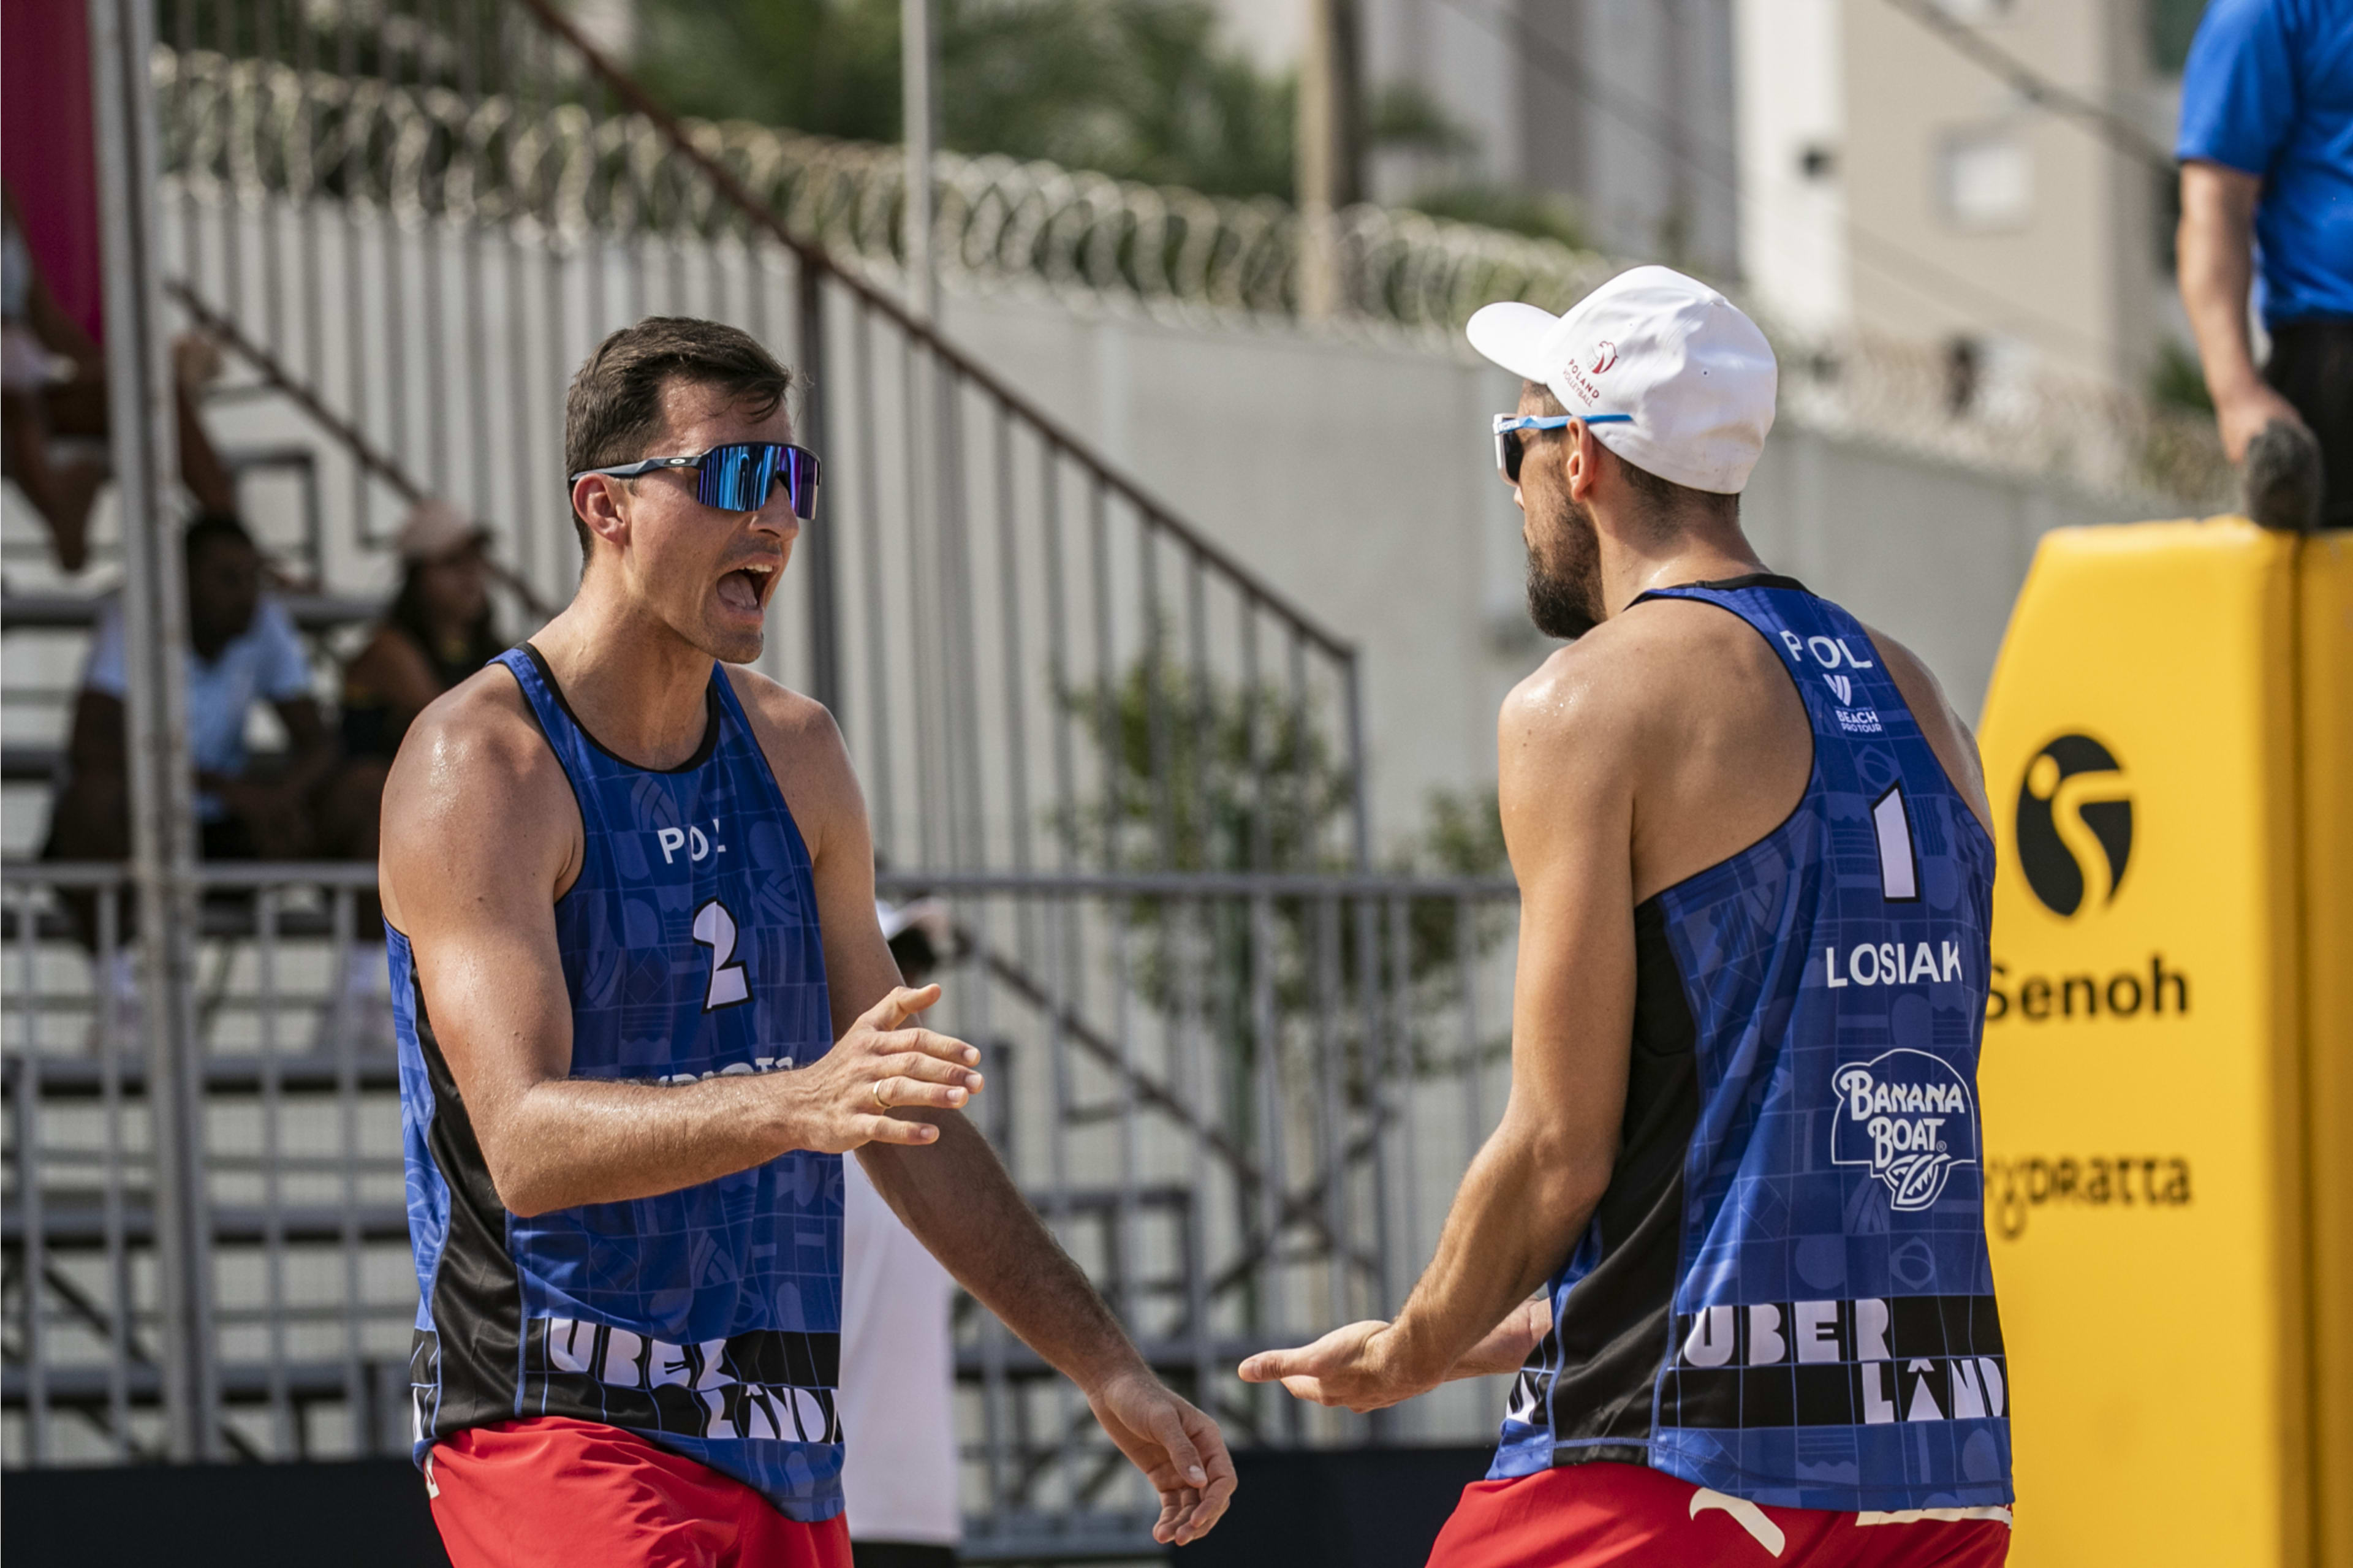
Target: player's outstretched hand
<point>1180,1450</point>
<point>845,1097</point>
<point>1346,1366</point>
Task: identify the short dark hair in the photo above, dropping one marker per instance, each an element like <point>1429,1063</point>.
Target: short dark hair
<point>614,406</point>
<point>1663,497</point>
<point>214,528</point>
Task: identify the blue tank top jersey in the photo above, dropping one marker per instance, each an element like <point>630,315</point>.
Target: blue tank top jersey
<point>1785,1293</point>
<point>706,1320</point>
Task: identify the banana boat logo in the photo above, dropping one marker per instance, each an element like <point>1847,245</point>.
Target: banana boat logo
<point>1908,1117</point>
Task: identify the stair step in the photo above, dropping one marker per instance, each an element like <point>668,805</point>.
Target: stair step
<point>78,612</point>
<point>77,1223</point>
<point>320,1072</point>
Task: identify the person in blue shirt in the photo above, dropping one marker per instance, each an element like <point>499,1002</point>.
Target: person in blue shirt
<point>2266,151</point>
<point>243,650</point>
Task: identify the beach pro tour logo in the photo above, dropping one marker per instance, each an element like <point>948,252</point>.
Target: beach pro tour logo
<point>1907,1118</point>
<point>1605,355</point>
<point>2075,824</point>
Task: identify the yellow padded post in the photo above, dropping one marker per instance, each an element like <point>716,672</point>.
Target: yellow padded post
<point>2150,1080</point>
<point>2324,623</point>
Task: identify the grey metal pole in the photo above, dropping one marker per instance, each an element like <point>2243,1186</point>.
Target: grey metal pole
<point>819,546</point>
<point>139,408</point>
<point>918,54</point>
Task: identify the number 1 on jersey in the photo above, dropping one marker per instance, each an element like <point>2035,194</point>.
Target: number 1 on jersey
<point>1899,862</point>
<point>714,928</point>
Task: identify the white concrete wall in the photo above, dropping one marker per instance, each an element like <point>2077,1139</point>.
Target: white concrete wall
<point>1360,479</point>
<point>1791,103</point>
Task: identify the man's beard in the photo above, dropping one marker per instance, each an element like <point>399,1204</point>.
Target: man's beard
<point>1565,593</point>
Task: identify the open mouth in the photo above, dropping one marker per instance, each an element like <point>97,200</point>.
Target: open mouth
<point>747,587</point>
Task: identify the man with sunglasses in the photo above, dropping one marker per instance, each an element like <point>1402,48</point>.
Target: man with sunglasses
<point>644,1007</point>
<point>1729,1233</point>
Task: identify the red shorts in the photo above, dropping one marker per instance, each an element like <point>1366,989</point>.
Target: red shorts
<point>558,1494</point>
<point>1582,1516</point>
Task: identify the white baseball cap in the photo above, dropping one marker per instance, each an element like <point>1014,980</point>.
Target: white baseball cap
<point>1675,378</point>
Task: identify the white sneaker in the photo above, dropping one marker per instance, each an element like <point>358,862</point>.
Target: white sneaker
<point>119,1009</point>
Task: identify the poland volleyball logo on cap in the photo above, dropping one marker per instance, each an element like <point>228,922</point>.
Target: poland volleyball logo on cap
<point>1688,378</point>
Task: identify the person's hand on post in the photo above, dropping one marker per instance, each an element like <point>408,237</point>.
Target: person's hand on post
<point>1356,1365</point>
<point>2242,415</point>
<point>1178,1448</point>
<point>848,1097</point>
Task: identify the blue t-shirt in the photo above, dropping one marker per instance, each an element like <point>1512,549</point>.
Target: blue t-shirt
<point>2268,90</point>
<point>263,663</point>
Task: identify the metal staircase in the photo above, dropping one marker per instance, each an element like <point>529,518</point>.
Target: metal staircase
<point>1234,1067</point>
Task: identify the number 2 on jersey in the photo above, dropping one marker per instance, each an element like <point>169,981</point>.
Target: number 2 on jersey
<point>714,928</point>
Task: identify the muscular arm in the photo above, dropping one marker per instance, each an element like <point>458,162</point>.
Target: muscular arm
<point>2214,255</point>
<point>1565,787</point>
<point>954,1193</point>
<point>480,836</point>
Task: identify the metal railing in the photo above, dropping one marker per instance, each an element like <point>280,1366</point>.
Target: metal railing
<point>1240,1100</point>
<point>415,247</point>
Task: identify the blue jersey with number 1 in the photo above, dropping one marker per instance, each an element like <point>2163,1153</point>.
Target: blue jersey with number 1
<point>706,1320</point>
<point>1785,1293</point>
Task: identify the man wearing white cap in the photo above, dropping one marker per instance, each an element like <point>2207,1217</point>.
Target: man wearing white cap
<point>1729,1233</point>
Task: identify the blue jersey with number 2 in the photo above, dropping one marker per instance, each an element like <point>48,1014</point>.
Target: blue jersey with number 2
<point>706,1320</point>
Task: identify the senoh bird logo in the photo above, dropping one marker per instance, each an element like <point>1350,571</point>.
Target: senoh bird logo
<point>1605,355</point>
<point>2075,824</point>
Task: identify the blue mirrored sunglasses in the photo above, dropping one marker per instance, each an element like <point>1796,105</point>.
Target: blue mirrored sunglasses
<point>737,477</point>
<point>1508,426</point>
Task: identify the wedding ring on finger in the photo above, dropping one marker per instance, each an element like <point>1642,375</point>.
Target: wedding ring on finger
<point>881,1104</point>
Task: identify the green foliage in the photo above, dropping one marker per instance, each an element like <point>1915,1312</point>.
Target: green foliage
<point>2172,24</point>
<point>1182,792</point>
<point>1203,776</point>
<point>1464,837</point>
<point>1507,206</point>
<point>1141,90</point>
<point>830,66</point>
<point>1406,116</point>
<point>2176,380</point>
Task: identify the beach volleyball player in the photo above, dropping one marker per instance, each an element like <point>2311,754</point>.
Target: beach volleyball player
<point>1738,1168</point>
<point>644,1007</point>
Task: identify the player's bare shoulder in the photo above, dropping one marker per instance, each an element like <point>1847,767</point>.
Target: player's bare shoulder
<point>805,749</point>
<point>1650,677</point>
<point>476,785</point>
<point>1577,713</point>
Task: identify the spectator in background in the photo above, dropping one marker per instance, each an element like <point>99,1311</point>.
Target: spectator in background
<point>897,1393</point>
<point>53,383</point>
<point>243,650</point>
<point>440,630</point>
<point>2266,149</point>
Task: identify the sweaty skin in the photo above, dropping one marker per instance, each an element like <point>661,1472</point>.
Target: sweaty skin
<point>482,835</point>
<point>1664,740</point>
